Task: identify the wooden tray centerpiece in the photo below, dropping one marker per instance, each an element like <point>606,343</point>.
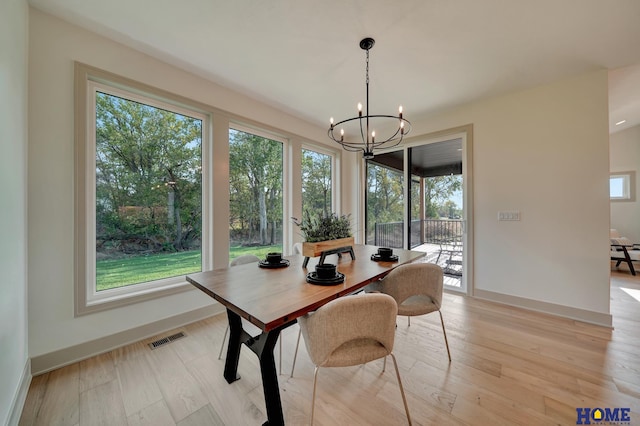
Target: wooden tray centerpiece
<point>325,235</point>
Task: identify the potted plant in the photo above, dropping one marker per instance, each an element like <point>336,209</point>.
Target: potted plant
<point>324,234</point>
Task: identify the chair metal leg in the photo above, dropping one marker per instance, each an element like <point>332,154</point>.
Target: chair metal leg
<point>404,398</point>
<point>280,357</point>
<point>444,333</point>
<point>408,321</point>
<point>384,364</point>
<point>313,397</point>
<point>226,331</point>
<point>295,354</point>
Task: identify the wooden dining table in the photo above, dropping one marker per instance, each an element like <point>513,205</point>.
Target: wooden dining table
<point>273,298</point>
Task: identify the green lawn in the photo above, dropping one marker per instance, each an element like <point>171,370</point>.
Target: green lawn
<point>260,251</point>
<point>137,269</point>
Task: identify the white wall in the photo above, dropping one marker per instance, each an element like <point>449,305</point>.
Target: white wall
<point>14,371</point>
<point>624,151</point>
<point>54,46</point>
<point>543,152</point>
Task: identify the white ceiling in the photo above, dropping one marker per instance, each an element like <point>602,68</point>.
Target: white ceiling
<point>302,56</point>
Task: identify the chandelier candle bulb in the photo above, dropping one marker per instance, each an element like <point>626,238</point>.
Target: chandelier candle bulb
<point>373,136</point>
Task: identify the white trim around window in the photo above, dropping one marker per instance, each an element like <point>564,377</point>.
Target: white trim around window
<point>88,82</point>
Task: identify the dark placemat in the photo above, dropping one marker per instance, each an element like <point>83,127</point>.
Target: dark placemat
<point>378,258</point>
<point>312,278</point>
<point>264,264</point>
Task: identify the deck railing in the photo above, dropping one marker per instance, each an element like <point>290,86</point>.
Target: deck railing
<point>428,231</point>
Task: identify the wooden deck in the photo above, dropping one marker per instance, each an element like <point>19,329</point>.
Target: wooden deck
<point>452,270</point>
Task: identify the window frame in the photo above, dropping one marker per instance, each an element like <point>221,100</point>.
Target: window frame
<point>88,80</point>
<point>628,185</point>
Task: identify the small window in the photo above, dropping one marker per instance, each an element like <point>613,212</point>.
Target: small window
<point>622,186</point>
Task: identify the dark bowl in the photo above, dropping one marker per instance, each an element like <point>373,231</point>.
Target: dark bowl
<point>385,253</point>
<point>326,271</point>
<point>274,257</point>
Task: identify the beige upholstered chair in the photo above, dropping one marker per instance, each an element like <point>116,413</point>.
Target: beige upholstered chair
<point>244,259</point>
<point>417,289</point>
<point>297,248</point>
<point>351,331</point>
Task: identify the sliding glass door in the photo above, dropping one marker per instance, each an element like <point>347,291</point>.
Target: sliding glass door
<point>415,199</point>
<point>385,200</point>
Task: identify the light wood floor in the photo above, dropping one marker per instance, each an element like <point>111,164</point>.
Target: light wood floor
<point>509,367</point>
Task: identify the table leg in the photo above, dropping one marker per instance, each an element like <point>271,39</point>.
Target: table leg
<point>263,346</point>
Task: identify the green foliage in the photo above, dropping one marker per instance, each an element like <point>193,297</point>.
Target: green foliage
<point>385,200</point>
<point>438,190</point>
<point>322,228</point>
<point>255,185</point>
<point>148,177</point>
<point>384,197</point>
<point>316,182</point>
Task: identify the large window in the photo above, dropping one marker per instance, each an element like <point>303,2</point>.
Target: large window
<point>317,183</point>
<point>144,186</point>
<point>140,185</point>
<point>255,194</point>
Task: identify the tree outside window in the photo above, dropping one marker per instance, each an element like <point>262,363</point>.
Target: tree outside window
<point>148,192</point>
<point>255,190</point>
<point>316,183</point>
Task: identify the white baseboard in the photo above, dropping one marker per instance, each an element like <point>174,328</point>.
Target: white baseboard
<point>591,317</point>
<point>51,361</point>
<point>21,396</point>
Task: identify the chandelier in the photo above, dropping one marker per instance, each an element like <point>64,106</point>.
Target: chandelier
<point>365,124</point>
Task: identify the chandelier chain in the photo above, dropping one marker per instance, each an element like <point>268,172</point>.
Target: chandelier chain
<point>367,66</point>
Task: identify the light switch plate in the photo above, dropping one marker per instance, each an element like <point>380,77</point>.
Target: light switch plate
<point>509,215</point>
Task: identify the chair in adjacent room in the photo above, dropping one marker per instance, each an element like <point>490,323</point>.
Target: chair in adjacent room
<point>451,252</point>
<point>351,331</point>
<point>417,289</point>
<point>623,250</point>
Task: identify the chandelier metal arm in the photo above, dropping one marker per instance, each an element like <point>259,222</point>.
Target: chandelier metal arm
<point>407,128</point>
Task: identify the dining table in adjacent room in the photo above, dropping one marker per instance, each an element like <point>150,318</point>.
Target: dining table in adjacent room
<point>272,298</point>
